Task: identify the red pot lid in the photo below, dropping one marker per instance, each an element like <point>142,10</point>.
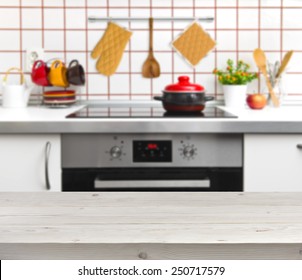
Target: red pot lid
<point>184,85</point>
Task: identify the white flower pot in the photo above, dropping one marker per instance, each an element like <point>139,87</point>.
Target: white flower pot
<point>235,96</point>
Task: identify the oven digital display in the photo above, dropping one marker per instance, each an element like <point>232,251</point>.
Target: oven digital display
<point>152,151</point>
<point>152,146</point>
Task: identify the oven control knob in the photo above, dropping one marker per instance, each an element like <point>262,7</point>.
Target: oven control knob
<point>115,152</point>
<point>189,151</point>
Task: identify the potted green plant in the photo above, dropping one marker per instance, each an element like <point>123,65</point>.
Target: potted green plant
<point>234,80</point>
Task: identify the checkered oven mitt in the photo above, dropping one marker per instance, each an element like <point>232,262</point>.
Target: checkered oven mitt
<point>110,49</point>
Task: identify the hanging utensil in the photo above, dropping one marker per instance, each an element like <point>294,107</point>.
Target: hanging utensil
<point>151,68</point>
<point>260,59</point>
<point>284,63</point>
<point>270,69</point>
<point>276,68</point>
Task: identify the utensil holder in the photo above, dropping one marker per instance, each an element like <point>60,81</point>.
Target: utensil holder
<point>278,87</point>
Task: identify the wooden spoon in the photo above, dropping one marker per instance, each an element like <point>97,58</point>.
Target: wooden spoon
<point>151,68</point>
<point>260,59</point>
<point>284,63</point>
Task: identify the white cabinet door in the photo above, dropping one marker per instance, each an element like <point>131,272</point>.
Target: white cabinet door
<point>272,163</point>
<point>25,161</point>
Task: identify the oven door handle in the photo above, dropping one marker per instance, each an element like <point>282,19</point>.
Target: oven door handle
<point>133,184</point>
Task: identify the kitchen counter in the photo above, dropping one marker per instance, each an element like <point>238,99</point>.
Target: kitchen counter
<point>150,225</point>
<point>287,119</point>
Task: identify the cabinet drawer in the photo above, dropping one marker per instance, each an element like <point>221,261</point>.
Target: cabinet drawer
<point>273,163</point>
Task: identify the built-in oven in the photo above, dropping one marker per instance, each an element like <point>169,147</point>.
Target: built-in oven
<point>148,162</point>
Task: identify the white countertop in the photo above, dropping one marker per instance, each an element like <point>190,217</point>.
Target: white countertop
<point>36,113</point>
<point>40,113</point>
<point>286,119</point>
<point>285,113</point>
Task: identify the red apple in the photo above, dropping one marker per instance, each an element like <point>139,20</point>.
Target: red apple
<point>256,101</point>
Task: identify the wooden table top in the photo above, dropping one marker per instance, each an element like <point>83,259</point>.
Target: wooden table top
<point>155,217</point>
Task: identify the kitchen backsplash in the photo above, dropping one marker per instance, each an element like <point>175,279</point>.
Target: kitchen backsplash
<point>61,28</point>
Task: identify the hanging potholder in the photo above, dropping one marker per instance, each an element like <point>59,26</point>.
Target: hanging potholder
<point>194,44</point>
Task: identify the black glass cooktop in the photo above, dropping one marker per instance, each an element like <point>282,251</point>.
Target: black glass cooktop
<point>145,112</point>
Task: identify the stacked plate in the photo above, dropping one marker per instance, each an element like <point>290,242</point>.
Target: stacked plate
<point>59,98</point>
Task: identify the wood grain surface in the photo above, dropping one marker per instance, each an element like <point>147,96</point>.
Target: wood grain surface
<point>152,225</point>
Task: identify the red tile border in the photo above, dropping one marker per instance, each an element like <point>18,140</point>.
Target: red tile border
<point>151,15</point>
<point>86,50</point>
<point>237,30</point>
<point>259,37</point>
<point>108,79</point>
<point>20,35</point>
<point>194,15</point>
<point>281,30</point>
<point>64,29</point>
<point>172,36</point>
<point>129,55</point>
<point>171,8</point>
<point>215,51</point>
<point>42,24</point>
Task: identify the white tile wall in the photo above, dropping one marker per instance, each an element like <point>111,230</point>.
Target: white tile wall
<point>31,3</point>
<point>11,42</point>
<point>61,28</point>
<point>248,40</point>
<point>6,15</point>
<point>31,38</point>
<point>53,18</point>
<point>226,18</point>
<point>248,18</point>
<point>31,18</point>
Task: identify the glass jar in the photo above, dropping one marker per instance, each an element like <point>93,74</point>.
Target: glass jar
<point>278,88</point>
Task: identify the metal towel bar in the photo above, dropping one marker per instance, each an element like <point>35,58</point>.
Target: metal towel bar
<point>95,19</point>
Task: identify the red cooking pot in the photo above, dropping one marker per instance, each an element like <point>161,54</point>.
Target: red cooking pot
<point>184,96</point>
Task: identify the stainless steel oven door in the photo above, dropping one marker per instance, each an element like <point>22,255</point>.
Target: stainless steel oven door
<point>153,179</point>
<point>144,162</point>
